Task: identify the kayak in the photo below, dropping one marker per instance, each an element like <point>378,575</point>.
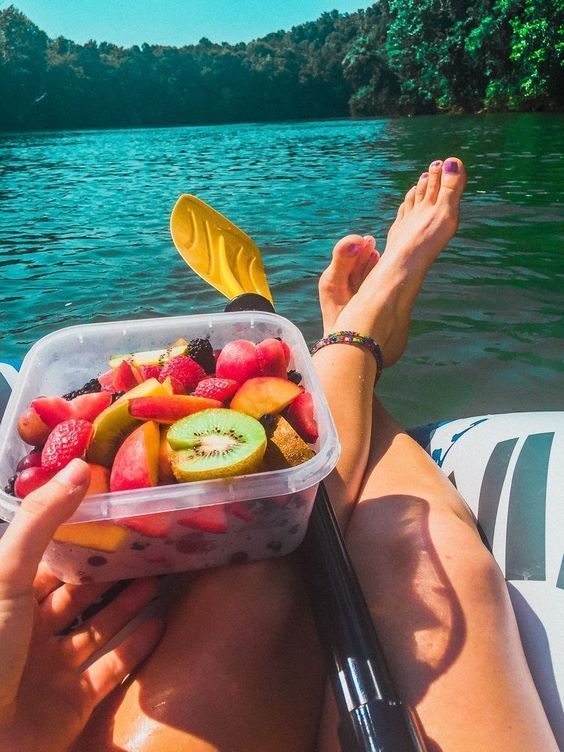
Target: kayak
<point>510,470</point>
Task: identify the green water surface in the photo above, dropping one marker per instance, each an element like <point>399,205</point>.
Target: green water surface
<point>84,237</point>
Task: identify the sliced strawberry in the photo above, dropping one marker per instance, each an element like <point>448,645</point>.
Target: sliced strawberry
<point>152,525</point>
<point>170,408</point>
<point>53,410</point>
<point>300,416</point>
<point>122,378</point>
<point>150,372</point>
<point>31,478</point>
<point>209,519</point>
<point>175,385</point>
<point>185,369</point>
<point>89,406</point>
<point>271,358</point>
<point>66,441</point>
<point>214,388</point>
<point>241,510</point>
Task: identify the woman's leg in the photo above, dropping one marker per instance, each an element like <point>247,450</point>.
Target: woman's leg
<point>438,599</point>
<point>238,670</point>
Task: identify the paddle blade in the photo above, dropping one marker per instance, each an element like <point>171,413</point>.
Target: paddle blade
<point>216,249</point>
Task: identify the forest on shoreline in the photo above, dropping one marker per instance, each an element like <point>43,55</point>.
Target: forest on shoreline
<point>396,57</point>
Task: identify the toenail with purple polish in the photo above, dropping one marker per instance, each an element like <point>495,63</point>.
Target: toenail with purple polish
<point>451,166</point>
<point>353,249</point>
<point>437,163</point>
<point>424,176</point>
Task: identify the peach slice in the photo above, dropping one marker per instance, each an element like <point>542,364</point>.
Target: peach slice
<point>171,408</point>
<point>271,356</point>
<point>264,395</point>
<point>238,361</point>
<point>136,461</point>
<point>101,536</point>
<point>32,429</point>
<point>99,480</point>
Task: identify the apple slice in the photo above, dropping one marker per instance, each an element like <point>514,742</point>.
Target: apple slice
<point>136,461</point>
<point>115,423</point>
<point>171,408</point>
<point>264,395</point>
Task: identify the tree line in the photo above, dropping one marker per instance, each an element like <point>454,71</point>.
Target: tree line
<point>395,57</point>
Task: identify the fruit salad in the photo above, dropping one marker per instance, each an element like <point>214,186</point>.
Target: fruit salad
<point>181,415</point>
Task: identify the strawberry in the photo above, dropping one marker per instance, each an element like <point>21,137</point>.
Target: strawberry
<point>300,416</point>
<point>150,372</point>
<point>185,370</point>
<point>66,441</point>
<point>153,525</point>
<point>209,519</point>
<point>214,388</point>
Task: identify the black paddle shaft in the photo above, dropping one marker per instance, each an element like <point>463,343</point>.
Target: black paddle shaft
<point>373,718</point>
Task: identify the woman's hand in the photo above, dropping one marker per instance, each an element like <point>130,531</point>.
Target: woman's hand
<point>46,693</point>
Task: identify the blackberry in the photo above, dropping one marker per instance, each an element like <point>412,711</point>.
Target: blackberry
<point>268,421</point>
<point>9,487</point>
<point>201,351</point>
<point>90,387</point>
<point>294,376</point>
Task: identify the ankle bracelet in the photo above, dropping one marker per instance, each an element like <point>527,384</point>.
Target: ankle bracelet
<point>353,338</point>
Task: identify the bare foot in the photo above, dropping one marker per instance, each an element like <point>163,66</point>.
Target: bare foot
<point>354,257</point>
<point>425,222</point>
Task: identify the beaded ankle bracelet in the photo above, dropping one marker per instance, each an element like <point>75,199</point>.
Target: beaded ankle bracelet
<point>353,338</point>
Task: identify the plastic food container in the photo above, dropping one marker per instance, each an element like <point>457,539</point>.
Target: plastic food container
<point>267,512</point>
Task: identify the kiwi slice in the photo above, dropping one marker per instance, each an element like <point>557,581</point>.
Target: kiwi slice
<point>285,448</point>
<point>215,443</point>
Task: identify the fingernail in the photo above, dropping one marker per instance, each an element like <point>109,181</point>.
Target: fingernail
<point>451,166</point>
<point>437,163</point>
<point>74,474</point>
<point>353,249</point>
<point>424,176</point>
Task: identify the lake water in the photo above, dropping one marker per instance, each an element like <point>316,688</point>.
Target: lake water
<point>84,237</point>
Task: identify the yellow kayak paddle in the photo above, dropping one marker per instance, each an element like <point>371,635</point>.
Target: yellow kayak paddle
<point>217,250</point>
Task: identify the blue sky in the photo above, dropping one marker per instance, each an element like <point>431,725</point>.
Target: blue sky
<point>175,22</point>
